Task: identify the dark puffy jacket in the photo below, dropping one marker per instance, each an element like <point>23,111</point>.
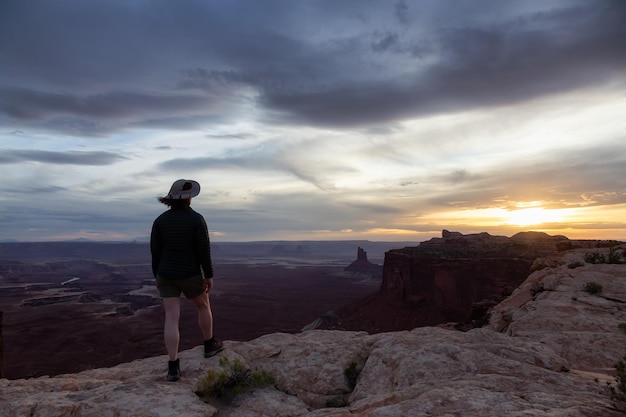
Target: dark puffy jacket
<point>180,245</point>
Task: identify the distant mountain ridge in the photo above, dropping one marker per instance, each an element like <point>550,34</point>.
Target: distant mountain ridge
<point>134,251</point>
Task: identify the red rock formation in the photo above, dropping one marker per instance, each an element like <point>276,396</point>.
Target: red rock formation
<point>459,289</point>
<point>363,265</point>
<point>455,278</point>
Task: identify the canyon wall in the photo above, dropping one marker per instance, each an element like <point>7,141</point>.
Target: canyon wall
<point>455,278</point>
<point>459,289</point>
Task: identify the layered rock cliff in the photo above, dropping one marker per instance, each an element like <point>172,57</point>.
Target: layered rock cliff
<point>456,278</point>
<point>548,350</point>
<point>461,276</point>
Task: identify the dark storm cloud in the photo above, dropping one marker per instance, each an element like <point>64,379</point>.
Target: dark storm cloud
<point>384,42</point>
<point>478,66</point>
<point>13,156</point>
<point>365,70</point>
<point>87,44</point>
<point>181,122</point>
<point>48,189</point>
<point>102,114</point>
<point>117,62</point>
<point>239,136</point>
<point>204,162</point>
<point>27,104</point>
<point>258,162</point>
<point>101,43</point>
<point>401,10</point>
<point>60,221</point>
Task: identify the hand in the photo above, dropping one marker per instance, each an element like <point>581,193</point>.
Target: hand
<point>208,284</point>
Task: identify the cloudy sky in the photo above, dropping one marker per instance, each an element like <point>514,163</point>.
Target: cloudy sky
<point>313,120</point>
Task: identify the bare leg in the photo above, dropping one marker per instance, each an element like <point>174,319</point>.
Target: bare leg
<point>205,315</point>
<point>171,334</point>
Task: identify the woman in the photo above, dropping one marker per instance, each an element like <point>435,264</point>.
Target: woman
<point>181,263</point>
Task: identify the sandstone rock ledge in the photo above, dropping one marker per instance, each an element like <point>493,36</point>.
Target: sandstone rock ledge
<point>548,351</point>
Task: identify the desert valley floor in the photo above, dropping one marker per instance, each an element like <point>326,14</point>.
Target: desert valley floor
<point>50,329</point>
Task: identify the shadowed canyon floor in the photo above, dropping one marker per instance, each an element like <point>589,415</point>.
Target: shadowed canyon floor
<point>50,329</point>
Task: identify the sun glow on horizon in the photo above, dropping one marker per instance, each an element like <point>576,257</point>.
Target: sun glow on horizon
<point>521,214</point>
<point>533,216</point>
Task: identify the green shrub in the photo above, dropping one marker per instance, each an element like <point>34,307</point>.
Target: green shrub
<point>614,257</point>
<point>592,287</point>
<point>618,391</point>
<point>595,258</point>
<point>234,379</point>
<point>352,374</point>
<point>622,326</point>
<point>575,265</point>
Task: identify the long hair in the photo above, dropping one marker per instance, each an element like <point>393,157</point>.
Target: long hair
<point>175,203</point>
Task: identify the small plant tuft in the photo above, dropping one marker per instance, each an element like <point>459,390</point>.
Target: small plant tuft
<point>234,379</point>
<point>617,391</point>
<point>595,258</point>
<point>592,287</point>
<point>351,373</point>
<point>622,326</point>
<point>614,257</point>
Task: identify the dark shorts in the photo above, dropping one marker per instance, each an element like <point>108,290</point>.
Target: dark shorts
<point>191,287</point>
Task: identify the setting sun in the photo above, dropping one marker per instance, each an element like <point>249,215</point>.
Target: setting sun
<point>531,213</point>
<point>532,216</point>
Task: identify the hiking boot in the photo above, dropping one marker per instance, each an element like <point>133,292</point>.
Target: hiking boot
<point>173,370</point>
<point>212,347</point>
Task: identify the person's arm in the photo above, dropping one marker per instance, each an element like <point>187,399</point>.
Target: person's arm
<point>208,284</point>
<point>156,247</point>
<point>203,246</point>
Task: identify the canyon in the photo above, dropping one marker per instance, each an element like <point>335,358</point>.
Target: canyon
<point>454,278</point>
<point>547,348</point>
<point>72,306</point>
